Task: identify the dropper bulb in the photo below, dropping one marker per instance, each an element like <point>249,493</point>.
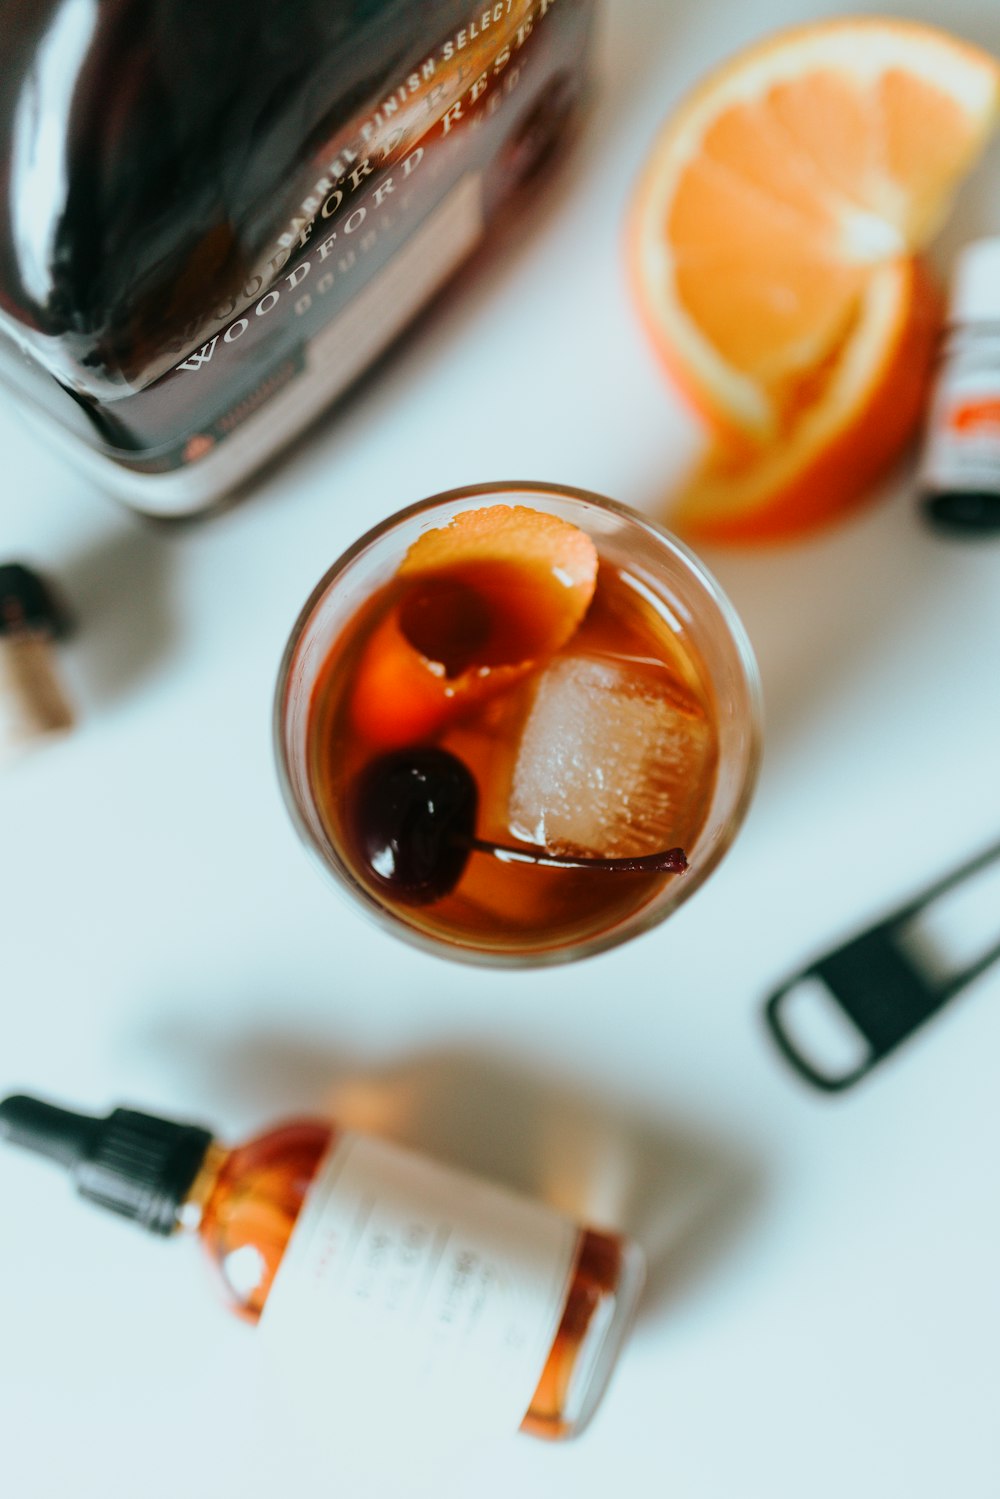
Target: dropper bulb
<point>60,1134</point>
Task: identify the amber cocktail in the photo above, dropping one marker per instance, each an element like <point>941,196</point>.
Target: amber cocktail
<point>519,724</point>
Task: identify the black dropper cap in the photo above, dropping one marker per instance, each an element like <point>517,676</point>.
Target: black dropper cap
<point>29,602</point>
<point>33,702</point>
<point>133,1164</point>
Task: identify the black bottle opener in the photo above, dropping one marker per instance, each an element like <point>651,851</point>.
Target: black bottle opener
<point>882,983</point>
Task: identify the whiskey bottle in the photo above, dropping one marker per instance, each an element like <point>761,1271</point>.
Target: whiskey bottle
<point>212,221</point>
<point>379,1277</point>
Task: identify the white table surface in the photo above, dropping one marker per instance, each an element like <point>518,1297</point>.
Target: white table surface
<point>823,1312</point>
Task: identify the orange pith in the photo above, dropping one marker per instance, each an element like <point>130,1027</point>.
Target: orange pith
<point>774,230</point>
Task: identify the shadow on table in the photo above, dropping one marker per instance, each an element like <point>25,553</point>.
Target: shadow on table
<point>822,610</point>
<point>683,1194</point>
<point>119,596</point>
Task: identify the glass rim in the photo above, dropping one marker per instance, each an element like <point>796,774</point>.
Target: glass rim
<point>647,917</point>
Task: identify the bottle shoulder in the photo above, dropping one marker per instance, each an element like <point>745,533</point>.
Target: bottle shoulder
<point>251,1209</point>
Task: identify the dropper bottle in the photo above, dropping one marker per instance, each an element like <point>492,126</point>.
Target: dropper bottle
<point>960,470</point>
<point>361,1259</point>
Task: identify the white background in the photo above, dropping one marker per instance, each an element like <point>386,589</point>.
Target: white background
<point>823,1312</point>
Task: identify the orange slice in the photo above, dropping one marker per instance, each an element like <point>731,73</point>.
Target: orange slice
<point>770,236</point>
<point>481,600</point>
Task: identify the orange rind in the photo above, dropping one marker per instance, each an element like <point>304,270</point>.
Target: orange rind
<point>480,601</point>
<point>839,447</point>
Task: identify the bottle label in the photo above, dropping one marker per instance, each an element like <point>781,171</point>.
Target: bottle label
<point>413,1295</point>
<point>963,449</point>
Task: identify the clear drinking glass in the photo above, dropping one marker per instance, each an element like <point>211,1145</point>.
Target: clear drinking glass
<point>687,601</point>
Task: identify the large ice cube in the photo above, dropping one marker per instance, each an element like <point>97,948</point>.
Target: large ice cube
<point>616,759</point>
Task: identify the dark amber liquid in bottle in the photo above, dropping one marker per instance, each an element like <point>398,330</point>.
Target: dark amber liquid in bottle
<point>250,1200</point>
<point>191,196</point>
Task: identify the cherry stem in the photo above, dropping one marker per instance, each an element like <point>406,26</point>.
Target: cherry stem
<point>671,861</point>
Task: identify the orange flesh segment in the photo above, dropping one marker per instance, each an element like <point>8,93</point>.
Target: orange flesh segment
<point>833,125</point>
<point>516,584</point>
<point>925,142</point>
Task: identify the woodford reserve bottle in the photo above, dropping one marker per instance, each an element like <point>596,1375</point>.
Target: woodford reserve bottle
<point>214,218</point>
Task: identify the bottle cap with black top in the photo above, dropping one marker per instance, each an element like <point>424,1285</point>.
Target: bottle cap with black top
<point>33,703</point>
<point>134,1164</point>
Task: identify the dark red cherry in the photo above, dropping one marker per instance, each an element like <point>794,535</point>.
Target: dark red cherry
<point>414,817</point>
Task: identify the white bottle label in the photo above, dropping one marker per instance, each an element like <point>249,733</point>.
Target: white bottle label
<point>963,448</point>
<point>412,1296</point>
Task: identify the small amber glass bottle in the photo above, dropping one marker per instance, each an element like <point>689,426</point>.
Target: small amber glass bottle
<point>334,1237</point>
<point>960,472</point>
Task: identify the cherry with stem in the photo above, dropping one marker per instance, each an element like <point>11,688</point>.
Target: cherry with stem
<point>413,817</point>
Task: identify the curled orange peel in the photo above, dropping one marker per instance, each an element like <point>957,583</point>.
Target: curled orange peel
<point>506,585</point>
